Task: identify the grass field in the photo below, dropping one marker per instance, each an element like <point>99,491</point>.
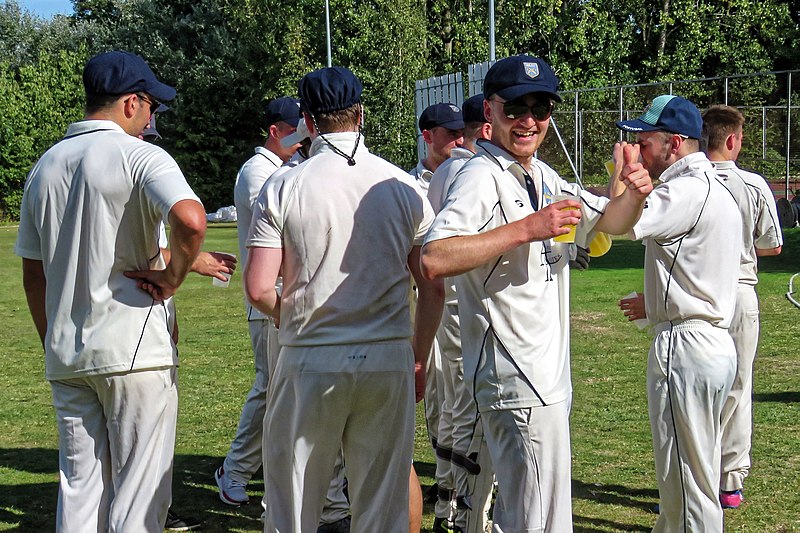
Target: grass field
<point>613,475</point>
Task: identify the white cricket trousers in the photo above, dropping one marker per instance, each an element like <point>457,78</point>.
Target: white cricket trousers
<point>458,425</point>
<point>530,450</point>
<point>116,445</point>
<point>478,491</point>
<point>355,398</point>
<point>244,457</point>
<point>737,411</point>
<point>689,374</point>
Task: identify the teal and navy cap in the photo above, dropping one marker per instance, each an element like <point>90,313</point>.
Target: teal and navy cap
<point>670,113</point>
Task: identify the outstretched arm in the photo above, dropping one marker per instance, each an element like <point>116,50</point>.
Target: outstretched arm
<point>455,255</point>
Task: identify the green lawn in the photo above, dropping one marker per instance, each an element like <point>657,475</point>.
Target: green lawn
<point>613,476</point>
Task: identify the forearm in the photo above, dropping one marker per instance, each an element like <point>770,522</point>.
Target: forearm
<point>35,284</point>
<point>428,314</point>
<point>621,213</point>
<point>764,252</point>
<point>456,255</point>
<point>267,301</point>
<point>426,319</point>
<point>188,227</point>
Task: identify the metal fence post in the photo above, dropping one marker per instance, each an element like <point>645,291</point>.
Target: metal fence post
<point>788,127</point>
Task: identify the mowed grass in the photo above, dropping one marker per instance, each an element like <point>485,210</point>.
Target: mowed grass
<point>613,476</point>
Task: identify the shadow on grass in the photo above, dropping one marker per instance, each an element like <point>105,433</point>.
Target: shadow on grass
<point>643,499</point>
<point>585,524</point>
<point>782,397</point>
<point>32,506</point>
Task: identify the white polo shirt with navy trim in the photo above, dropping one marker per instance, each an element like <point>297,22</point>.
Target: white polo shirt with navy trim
<point>91,210</point>
<point>692,231</point>
<point>346,233</point>
<point>513,311</point>
<point>760,225</point>
<point>249,181</point>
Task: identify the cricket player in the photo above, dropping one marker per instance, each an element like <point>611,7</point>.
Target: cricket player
<point>495,232</point>
<point>345,229</point>
<point>442,127</point>
<point>691,273</point>
<point>761,235</point>
<point>464,480</point>
<point>244,457</point>
<point>88,236</point>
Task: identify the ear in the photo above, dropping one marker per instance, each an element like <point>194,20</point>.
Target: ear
<point>730,141</point>
<point>675,143</point>
<point>486,130</point>
<point>487,111</point>
<point>426,136</point>
<point>129,108</point>
<point>310,125</point>
<point>273,131</point>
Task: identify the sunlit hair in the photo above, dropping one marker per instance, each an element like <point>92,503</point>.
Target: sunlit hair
<point>347,119</point>
<point>719,121</point>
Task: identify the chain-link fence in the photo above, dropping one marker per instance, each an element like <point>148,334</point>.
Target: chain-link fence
<point>583,125</point>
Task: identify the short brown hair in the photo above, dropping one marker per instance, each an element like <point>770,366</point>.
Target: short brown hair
<point>99,102</point>
<point>340,120</point>
<point>719,121</point>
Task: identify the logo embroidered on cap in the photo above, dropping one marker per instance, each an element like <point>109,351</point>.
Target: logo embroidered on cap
<point>454,108</point>
<point>531,69</point>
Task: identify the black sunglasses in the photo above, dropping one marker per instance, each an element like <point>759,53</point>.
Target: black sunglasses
<point>153,103</point>
<point>541,110</point>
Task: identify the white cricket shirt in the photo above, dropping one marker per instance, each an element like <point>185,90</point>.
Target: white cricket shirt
<point>251,177</point>
<point>346,232</point>
<point>91,211</point>
<point>692,228</point>
<point>422,175</point>
<point>760,226</point>
<point>513,311</point>
<point>438,188</point>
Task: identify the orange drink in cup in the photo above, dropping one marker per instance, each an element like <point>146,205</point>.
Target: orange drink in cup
<point>566,237</point>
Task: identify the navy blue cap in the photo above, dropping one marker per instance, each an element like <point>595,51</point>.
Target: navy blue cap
<point>329,89</point>
<point>284,109</point>
<point>669,113</point>
<point>516,76</point>
<point>114,73</point>
<point>472,108</point>
<point>445,115</point>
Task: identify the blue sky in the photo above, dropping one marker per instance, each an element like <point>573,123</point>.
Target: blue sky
<point>47,8</point>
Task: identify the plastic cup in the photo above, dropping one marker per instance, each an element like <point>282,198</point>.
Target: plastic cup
<point>567,237</point>
<point>222,284</point>
<point>610,167</point>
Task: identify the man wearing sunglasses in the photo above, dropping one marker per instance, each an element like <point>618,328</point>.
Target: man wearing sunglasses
<point>496,228</point>
<point>89,224</point>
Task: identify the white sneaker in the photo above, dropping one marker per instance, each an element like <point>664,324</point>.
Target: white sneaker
<point>230,491</point>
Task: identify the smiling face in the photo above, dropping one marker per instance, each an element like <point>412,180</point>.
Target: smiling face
<point>520,136</point>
